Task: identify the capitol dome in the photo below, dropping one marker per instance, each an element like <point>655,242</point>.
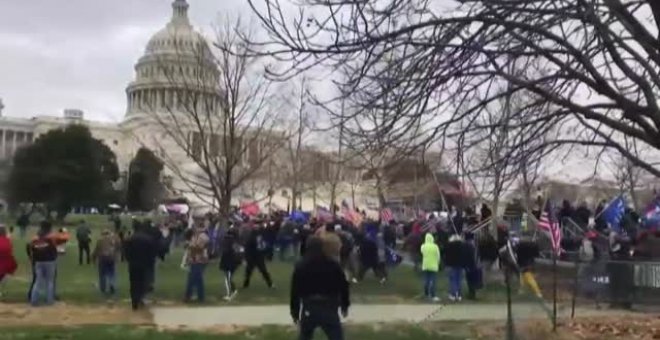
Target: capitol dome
<point>178,36</point>
<point>177,65</point>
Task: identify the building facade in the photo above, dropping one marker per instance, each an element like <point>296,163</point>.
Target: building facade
<point>176,74</point>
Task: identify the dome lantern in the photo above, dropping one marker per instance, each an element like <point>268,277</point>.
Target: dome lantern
<point>180,13</point>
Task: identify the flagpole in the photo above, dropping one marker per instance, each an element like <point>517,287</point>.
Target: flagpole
<point>608,205</point>
<point>554,291</point>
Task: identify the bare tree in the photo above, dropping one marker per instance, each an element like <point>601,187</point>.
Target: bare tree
<point>628,176</point>
<point>218,117</point>
<point>294,169</point>
<point>594,63</point>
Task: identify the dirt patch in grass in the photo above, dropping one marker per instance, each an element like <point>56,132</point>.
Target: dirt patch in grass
<point>625,326</point>
<point>641,327</point>
<point>61,314</point>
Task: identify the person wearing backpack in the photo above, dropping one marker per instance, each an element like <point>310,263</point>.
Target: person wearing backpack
<point>84,237</point>
<point>105,254</point>
<point>230,259</point>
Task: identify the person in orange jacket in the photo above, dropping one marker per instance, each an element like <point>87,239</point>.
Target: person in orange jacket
<point>61,238</point>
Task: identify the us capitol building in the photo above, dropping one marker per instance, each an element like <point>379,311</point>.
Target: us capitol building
<point>152,93</point>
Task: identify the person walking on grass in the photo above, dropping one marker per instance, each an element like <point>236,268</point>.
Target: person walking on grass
<point>526,252</point>
<point>140,250</point>
<point>430,267</point>
<point>198,258</point>
<point>105,255</point>
<point>454,262</point>
<point>23,222</point>
<point>473,270</point>
<point>369,258</point>
<point>84,237</point>
<point>319,291</point>
<point>230,260</point>
<point>43,254</point>
<point>255,255</point>
<point>8,263</point>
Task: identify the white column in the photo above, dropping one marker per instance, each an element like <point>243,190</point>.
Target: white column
<point>2,143</point>
<point>14,144</point>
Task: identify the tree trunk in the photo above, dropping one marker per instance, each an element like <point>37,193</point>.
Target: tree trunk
<point>313,197</point>
<point>333,194</point>
<point>655,8</point>
<point>225,206</point>
<point>496,208</point>
<point>381,194</point>
<point>353,195</point>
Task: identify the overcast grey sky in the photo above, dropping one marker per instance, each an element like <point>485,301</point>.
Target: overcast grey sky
<point>57,54</point>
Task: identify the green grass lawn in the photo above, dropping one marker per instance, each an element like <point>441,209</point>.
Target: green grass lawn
<point>400,332</point>
<point>76,284</point>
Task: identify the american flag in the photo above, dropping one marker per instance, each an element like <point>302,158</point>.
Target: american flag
<point>550,224</point>
<point>386,215</point>
<point>323,214</point>
<point>349,214</point>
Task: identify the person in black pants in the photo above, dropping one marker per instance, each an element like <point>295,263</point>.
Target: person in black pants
<point>255,256</point>
<point>230,260</point>
<point>141,251</point>
<point>319,290</point>
<point>369,259</point>
<point>84,237</point>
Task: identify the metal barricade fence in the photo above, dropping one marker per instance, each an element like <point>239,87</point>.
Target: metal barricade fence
<point>620,283</point>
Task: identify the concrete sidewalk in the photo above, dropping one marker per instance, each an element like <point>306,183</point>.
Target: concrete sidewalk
<point>207,317</point>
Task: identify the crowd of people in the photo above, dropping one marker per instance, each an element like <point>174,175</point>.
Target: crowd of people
<point>455,243</point>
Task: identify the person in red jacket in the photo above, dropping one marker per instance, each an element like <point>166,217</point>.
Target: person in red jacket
<point>8,264</point>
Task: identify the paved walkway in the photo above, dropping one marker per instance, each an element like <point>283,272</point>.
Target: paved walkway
<point>207,317</point>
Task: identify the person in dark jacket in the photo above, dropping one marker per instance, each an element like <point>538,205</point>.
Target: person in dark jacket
<point>43,254</point>
<point>485,212</point>
<point>141,251</point>
<point>256,250</point>
<point>582,215</point>
<point>84,237</point>
<point>319,290</point>
<point>458,222</point>
<point>270,233</point>
<point>230,260</point>
<point>23,222</point>
<point>161,248</point>
<point>305,233</point>
<point>454,261</point>
<point>527,250</point>
<point>285,239</point>
<point>369,259</point>
<point>473,270</point>
<point>567,212</point>
<point>389,234</point>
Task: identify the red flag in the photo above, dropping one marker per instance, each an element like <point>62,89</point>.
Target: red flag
<point>250,208</point>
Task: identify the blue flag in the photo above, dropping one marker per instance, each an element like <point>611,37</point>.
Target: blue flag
<point>613,214</point>
<point>299,216</point>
